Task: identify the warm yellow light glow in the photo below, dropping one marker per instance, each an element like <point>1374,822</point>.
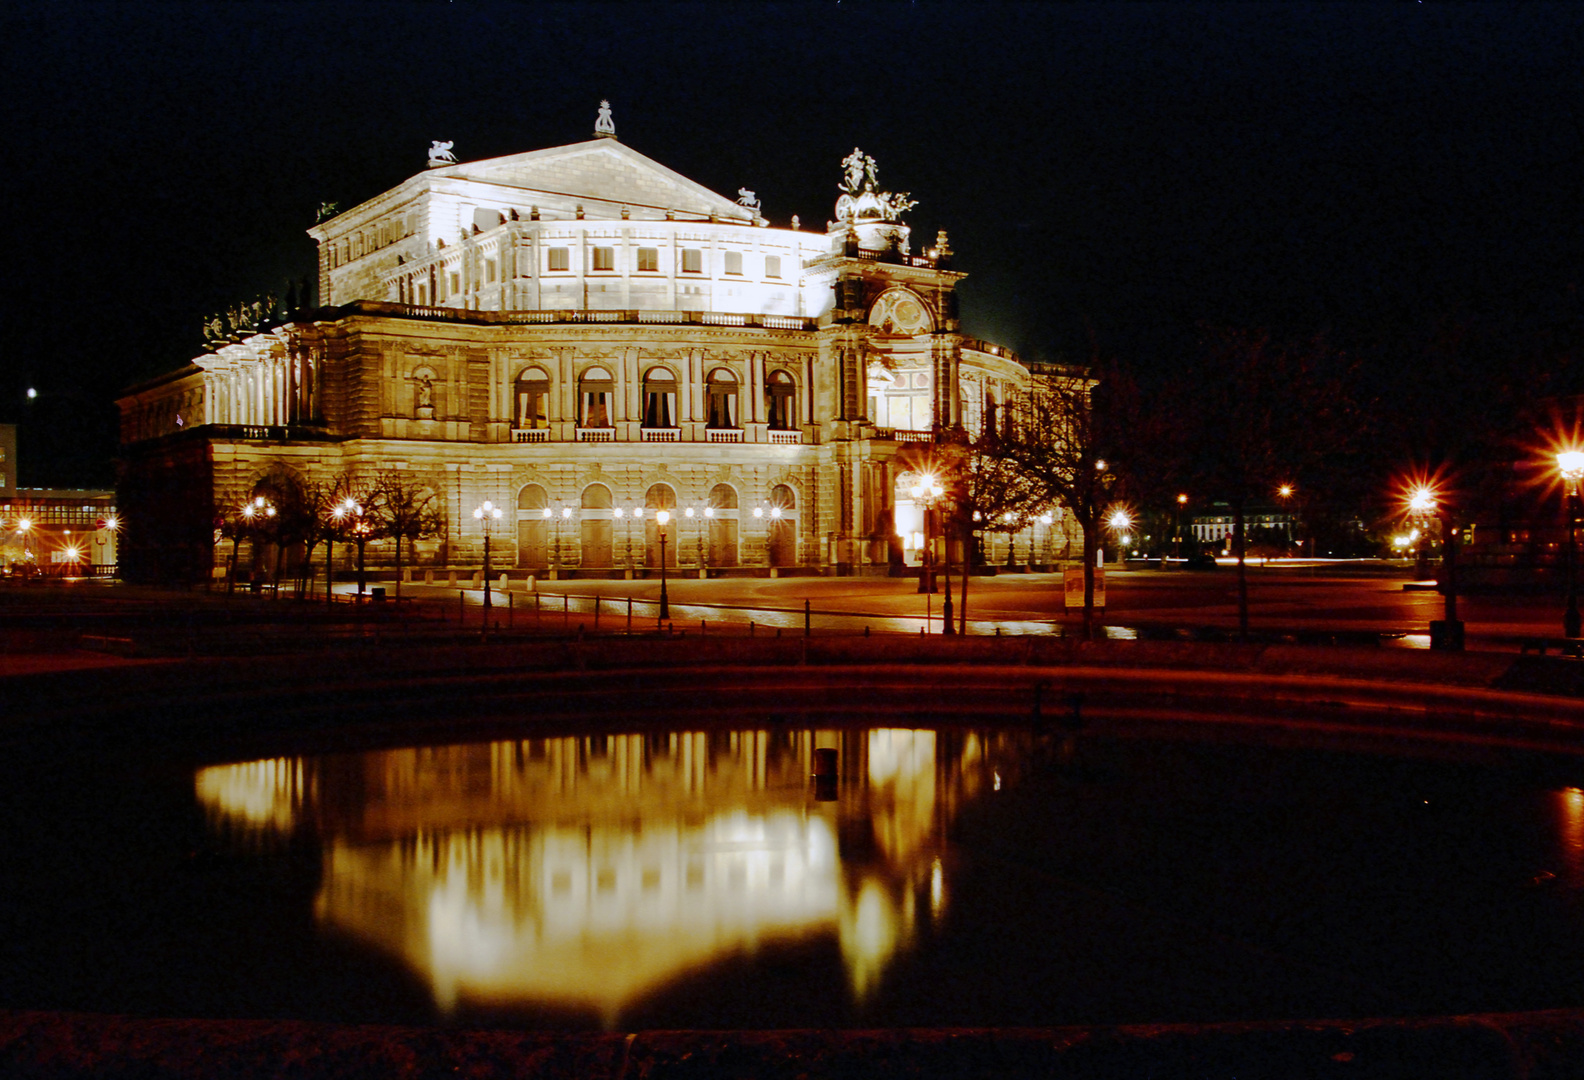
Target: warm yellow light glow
<point>547,512</point>
<point>1182,500</point>
<point>662,516</point>
<point>618,512</point>
<point>1120,520</point>
<point>566,511</point>
<point>688,512</point>
<point>23,525</point>
<point>1571,464</point>
<point>1422,500</point>
<point>775,511</point>
<point>113,522</point>
<point>71,553</point>
<point>1285,491</point>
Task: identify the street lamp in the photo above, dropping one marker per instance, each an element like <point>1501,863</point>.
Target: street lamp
<point>487,514</point>
<point>1422,511</point>
<point>662,517</point>
<point>1571,465</point>
<point>928,491</point>
<point>1120,521</point>
<point>361,528</point>
<point>1182,501</point>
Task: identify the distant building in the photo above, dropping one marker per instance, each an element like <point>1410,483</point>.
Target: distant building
<point>1216,526</point>
<point>53,530</point>
<point>584,337</point>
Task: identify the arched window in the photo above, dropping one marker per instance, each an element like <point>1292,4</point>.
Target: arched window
<point>781,401</point>
<point>532,528</point>
<point>532,392</point>
<point>660,391</point>
<point>722,388</point>
<point>782,527</point>
<point>594,398</point>
<point>722,517</point>
<point>597,549</point>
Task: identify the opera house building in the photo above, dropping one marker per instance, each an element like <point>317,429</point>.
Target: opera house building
<point>584,337</point>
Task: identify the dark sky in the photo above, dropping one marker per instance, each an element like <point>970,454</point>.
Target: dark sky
<point>1110,175</point>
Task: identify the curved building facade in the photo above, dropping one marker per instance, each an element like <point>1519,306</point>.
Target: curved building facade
<point>584,337</point>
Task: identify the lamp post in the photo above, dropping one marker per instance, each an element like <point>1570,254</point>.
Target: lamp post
<point>361,527</point>
<point>662,517</point>
<point>1571,464</point>
<point>925,492</point>
<point>1120,521</point>
<point>1182,501</point>
<point>1421,512</point>
<point>25,526</point>
<point>709,515</point>
<point>487,513</point>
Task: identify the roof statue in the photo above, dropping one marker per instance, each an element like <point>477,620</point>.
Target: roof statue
<point>748,199</point>
<point>604,126</point>
<point>440,154</point>
<point>861,201</point>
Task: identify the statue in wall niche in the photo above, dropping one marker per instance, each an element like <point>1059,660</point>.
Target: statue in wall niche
<point>440,153</point>
<point>425,398</point>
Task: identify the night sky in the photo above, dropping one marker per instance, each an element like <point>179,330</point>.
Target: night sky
<point>1111,175</point>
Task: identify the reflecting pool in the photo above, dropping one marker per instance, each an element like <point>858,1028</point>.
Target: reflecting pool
<point>945,876</point>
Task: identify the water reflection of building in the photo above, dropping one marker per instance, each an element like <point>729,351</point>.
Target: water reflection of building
<point>584,873</point>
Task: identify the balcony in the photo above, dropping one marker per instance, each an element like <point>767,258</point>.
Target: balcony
<point>530,435</point>
<point>662,434</point>
<point>786,438</point>
<point>596,434</point>
<point>723,435</point>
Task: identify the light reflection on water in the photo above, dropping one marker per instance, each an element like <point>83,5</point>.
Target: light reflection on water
<point>586,872</point>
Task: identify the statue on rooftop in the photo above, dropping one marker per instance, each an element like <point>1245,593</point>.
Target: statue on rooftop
<point>604,125</point>
<point>440,154</point>
<point>748,199</point>
<point>861,198</point>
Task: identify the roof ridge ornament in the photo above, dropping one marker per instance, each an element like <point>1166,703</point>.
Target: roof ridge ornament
<point>440,154</point>
<point>604,125</point>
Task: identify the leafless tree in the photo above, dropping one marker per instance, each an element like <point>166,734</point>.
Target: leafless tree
<point>989,490</point>
<point>1058,441</point>
<point>404,509</point>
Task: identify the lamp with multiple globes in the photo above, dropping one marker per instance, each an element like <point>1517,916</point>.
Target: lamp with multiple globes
<point>1120,522</point>
<point>487,514</point>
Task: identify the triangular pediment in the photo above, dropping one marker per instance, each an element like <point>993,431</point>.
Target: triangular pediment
<point>600,169</point>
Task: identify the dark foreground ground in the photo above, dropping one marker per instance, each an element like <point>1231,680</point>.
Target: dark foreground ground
<point>216,677</point>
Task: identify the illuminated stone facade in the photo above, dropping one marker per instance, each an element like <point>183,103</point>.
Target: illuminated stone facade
<point>583,336</point>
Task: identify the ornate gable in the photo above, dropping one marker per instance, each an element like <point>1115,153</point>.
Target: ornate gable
<point>600,169</point>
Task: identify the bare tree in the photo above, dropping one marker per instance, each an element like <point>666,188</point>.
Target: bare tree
<point>1259,413</point>
<point>404,509</point>
<point>990,492</point>
<point>1058,441</point>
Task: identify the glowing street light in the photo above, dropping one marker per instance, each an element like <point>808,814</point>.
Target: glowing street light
<point>1570,463</point>
<point>927,491</point>
<point>1120,522</point>
<point>487,514</point>
<point>662,518</point>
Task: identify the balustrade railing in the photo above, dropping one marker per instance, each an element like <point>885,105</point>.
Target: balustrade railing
<point>650,434</point>
<point>550,316</point>
<point>723,435</point>
<point>530,435</point>
<point>596,434</point>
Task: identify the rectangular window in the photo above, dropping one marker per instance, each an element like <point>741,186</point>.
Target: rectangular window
<point>456,283</point>
<point>734,262</point>
<point>489,270</point>
<point>648,259</point>
<point>772,266</point>
<point>692,261</point>
<point>604,258</point>
<point>559,259</point>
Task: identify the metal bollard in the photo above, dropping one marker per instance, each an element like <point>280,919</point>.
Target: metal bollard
<point>805,618</point>
<point>629,615</point>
